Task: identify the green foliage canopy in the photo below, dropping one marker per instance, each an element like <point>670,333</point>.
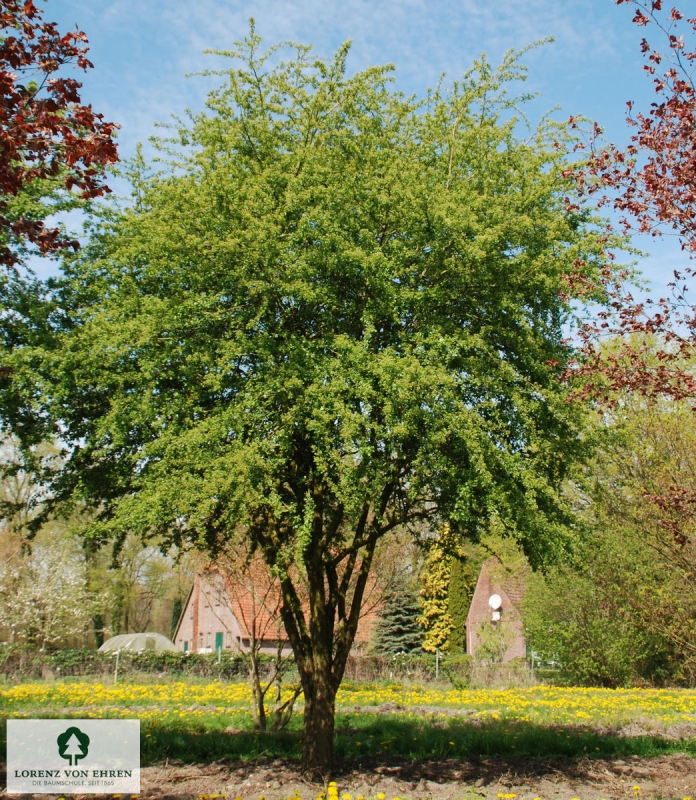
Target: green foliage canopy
<point>591,618</point>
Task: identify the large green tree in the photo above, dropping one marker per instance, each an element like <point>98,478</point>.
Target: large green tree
<point>336,312</point>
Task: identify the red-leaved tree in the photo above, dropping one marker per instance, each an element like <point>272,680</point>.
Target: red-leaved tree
<point>652,184</point>
<point>46,134</point>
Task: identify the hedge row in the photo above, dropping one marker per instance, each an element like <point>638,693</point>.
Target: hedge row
<point>18,661</point>
<point>461,671</point>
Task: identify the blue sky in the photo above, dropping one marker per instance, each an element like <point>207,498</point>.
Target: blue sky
<point>142,50</point>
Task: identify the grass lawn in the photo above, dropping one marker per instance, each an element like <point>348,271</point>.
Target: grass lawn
<point>194,722</point>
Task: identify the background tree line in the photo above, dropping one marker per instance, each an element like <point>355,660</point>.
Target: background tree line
<point>57,591</point>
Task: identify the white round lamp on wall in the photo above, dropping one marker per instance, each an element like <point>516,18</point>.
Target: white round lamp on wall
<point>495,602</point>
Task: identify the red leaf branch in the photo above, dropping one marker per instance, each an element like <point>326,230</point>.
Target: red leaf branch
<point>45,131</point>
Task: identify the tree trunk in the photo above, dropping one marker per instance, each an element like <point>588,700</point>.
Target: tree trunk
<point>98,622</point>
<point>321,640</point>
<point>258,709</point>
<point>319,710</point>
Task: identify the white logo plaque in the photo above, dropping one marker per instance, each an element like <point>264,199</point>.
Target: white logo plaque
<point>73,756</point>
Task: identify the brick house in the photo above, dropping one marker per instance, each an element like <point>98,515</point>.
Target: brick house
<point>221,614</point>
<point>224,613</point>
<point>497,599</point>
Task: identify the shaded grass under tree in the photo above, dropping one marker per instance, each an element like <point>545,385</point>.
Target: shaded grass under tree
<point>376,737</point>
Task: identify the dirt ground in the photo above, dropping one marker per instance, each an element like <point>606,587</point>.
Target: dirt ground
<point>667,778</point>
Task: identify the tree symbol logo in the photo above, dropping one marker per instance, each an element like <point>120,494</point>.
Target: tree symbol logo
<point>73,745</point>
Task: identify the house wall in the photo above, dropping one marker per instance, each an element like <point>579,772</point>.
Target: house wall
<point>480,611</point>
<point>206,614</point>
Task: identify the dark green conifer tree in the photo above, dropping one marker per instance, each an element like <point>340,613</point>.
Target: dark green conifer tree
<point>399,630</point>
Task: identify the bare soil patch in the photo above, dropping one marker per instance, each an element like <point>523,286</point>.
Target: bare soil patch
<point>667,777</point>
<point>670,777</point>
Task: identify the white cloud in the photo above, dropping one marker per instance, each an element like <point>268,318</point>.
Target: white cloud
<point>143,49</point>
